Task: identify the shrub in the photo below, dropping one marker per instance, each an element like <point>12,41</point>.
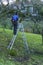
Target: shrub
<point>13,52</point>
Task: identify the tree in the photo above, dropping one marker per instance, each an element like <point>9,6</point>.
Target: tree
<point>8,10</point>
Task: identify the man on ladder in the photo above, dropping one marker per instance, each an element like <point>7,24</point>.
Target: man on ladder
<point>14,20</point>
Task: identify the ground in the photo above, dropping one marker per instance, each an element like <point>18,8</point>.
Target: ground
<point>13,57</point>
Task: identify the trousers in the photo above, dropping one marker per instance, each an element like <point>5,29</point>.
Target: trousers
<point>15,28</point>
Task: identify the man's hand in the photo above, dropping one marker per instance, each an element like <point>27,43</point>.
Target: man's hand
<point>12,21</point>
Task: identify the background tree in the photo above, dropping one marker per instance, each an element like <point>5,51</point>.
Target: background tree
<point>22,8</point>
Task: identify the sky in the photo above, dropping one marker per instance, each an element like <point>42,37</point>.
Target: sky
<point>41,0</point>
<point>10,1</point>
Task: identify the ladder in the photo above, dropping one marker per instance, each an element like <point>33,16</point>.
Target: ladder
<point>20,27</point>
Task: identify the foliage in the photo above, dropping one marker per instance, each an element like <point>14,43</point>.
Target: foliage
<point>41,11</point>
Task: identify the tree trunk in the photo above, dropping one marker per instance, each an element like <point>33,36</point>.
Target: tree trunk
<point>42,35</point>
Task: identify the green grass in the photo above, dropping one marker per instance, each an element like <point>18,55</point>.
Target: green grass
<point>34,42</point>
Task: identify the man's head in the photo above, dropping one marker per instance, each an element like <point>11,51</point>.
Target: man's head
<point>16,13</point>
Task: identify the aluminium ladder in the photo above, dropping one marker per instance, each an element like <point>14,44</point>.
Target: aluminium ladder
<point>20,27</point>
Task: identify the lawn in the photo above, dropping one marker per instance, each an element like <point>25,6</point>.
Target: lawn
<point>34,43</point>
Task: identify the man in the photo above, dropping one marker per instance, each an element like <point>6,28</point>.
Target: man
<point>14,20</point>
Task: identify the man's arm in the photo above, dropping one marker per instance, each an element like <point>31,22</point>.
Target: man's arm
<point>12,21</point>
<point>20,19</point>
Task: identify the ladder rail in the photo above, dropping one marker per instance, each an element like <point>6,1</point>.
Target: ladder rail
<point>13,39</point>
<point>24,38</point>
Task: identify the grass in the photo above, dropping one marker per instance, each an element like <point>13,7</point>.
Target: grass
<point>34,42</point>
